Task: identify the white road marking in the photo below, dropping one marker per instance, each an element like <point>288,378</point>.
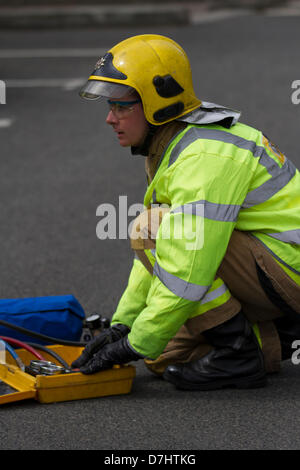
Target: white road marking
<point>48,53</point>
<point>5,122</point>
<point>288,11</point>
<point>67,84</point>
<point>200,17</point>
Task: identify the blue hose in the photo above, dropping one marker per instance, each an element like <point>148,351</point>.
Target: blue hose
<point>14,355</point>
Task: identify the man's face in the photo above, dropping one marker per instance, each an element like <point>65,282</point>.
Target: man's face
<point>127,118</point>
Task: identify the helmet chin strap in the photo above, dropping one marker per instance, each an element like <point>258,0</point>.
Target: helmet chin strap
<point>143,149</point>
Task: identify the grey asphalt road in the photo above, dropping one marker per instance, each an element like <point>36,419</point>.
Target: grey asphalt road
<point>59,162</point>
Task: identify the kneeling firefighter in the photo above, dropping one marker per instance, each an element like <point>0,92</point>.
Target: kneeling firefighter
<point>213,298</point>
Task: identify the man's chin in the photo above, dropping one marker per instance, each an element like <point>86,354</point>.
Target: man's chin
<point>123,142</point>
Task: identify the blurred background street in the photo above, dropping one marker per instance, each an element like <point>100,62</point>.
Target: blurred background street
<point>60,161</point>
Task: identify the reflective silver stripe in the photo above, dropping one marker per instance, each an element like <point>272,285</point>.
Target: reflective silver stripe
<point>166,149</point>
<point>183,289</point>
<point>272,186</point>
<point>290,236</point>
<point>214,294</point>
<point>222,212</point>
<point>196,133</point>
<point>190,136</point>
<point>280,175</point>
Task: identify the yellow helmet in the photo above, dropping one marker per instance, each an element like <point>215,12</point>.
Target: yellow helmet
<point>153,65</point>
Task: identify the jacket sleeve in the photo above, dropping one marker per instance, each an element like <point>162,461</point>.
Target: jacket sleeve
<point>206,192</point>
<point>133,300</point>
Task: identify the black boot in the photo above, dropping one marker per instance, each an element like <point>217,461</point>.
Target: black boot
<point>236,361</point>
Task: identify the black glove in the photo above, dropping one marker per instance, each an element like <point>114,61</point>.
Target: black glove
<point>108,336</point>
<point>115,353</point>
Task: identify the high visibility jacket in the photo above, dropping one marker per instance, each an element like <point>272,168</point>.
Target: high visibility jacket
<point>215,180</point>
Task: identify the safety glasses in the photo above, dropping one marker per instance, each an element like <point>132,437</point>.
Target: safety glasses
<point>122,109</point>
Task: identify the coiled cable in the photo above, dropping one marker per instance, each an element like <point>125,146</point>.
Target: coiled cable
<point>34,334</point>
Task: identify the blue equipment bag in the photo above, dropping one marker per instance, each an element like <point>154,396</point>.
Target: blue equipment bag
<point>56,316</point>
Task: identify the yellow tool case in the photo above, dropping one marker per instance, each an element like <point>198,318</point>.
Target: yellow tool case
<point>16,385</point>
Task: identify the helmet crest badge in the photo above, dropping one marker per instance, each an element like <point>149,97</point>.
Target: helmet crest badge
<point>100,62</point>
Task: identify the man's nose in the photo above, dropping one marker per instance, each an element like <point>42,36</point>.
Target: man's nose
<point>111,118</point>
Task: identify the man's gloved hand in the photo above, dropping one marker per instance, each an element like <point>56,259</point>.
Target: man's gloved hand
<point>118,352</point>
<point>108,336</point>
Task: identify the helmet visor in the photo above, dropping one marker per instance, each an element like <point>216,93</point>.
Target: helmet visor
<point>95,89</point>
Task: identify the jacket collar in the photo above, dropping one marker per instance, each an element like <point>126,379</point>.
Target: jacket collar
<point>159,143</point>
<point>207,113</point>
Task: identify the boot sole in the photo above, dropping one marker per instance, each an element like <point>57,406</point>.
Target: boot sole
<point>254,381</point>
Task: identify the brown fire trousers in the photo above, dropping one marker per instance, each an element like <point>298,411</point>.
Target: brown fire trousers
<point>239,272</point>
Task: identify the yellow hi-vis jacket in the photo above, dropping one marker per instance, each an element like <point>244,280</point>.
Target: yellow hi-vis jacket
<point>215,180</point>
